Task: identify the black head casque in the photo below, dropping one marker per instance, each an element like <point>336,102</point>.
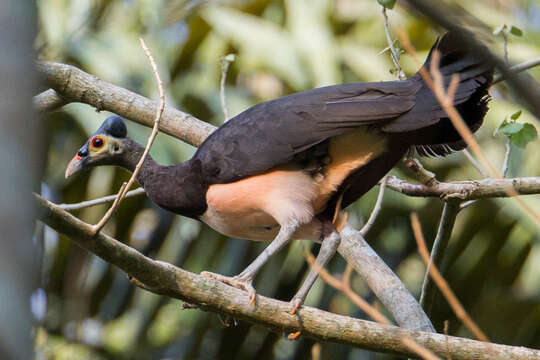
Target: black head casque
<point>104,147</point>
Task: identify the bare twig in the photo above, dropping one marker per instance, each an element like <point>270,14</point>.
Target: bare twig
<point>212,295</point>
<point>425,176</point>
<point>441,283</point>
<point>506,157</point>
<point>376,209</point>
<point>99,201</point>
<point>394,54</point>
<point>225,62</point>
<point>446,225</point>
<point>526,65</point>
<point>125,186</point>
<point>475,163</point>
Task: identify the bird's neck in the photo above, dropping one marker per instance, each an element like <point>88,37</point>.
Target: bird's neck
<point>131,157</point>
<point>178,188</point>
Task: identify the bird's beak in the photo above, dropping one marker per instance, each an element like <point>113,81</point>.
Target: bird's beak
<point>74,166</point>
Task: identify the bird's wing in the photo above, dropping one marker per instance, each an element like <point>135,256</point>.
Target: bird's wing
<point>272,133</point>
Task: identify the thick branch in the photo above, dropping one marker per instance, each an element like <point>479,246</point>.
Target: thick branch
<point>212,295</point>
<point>381,279</point>
<point>467,189</point>
<point>74,85</point>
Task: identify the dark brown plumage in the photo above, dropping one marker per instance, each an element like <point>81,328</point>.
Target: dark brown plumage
<point>278,169</point>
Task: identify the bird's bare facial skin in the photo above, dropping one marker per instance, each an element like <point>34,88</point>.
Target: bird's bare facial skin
<point>97,143</point>
<point>99,150</point>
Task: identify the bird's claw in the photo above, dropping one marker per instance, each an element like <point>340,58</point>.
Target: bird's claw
<point>295,304</point>
<point>234,281</point>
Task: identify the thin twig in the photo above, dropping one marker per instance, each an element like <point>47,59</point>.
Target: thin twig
<point>376,209</point>
<point>394,54</point>
<point>505,39</point>
<point>526,65</point>
<point>446,225</point>
<point>475,163</point>
<point>125,186</point>
<point>225,62</point>
<point>99,201</point>
<point>443,286</point>
<point>506,157</point>
<point>425,176</point>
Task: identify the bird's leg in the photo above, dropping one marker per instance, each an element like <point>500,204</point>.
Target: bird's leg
<point>245,278</point>
<point>328,248</point>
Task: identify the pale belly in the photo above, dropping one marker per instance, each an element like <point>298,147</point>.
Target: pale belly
<point>257,226</point>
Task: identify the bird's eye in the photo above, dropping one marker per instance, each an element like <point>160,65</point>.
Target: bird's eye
<point>97,142</point>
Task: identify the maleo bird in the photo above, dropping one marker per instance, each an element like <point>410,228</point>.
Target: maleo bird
<point>282,169</point>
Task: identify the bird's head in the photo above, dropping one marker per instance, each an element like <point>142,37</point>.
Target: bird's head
<point>105,147</point>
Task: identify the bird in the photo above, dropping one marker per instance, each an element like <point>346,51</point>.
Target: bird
<point>282,169</point>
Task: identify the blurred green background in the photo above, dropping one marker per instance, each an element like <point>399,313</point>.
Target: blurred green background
<point>89,310</point>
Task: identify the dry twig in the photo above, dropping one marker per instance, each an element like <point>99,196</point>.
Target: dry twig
<point>225,62</point>
<point>125,186</point>
<point>441,283</point>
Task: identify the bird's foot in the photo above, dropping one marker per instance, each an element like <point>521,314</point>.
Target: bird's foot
<point>295,305</point>
<point>235,281</point>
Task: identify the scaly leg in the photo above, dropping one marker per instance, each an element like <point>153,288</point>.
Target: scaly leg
<point>328,248</point>
<point>245,278</point>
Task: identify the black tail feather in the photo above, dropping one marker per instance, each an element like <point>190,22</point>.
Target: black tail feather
<point>426,127</point>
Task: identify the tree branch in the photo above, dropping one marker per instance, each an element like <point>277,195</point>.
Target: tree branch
<point>74,85</point>
<point>48,100</point>
<point>467,189</point>
<point>211,295</point>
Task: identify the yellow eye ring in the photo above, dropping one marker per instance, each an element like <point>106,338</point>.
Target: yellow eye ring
<point>97,142</point>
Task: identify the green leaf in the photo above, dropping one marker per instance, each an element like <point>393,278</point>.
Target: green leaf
<point>389,4</point>
<point>514,30</point>
<point>511,128</point>
<point>516,115</point>
<point>524,136</point>
<point>499,29</point>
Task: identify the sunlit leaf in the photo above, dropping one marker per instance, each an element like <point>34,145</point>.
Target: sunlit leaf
<point>511,128</point>
<point>516,115</point>
<point>514,30</point>
<point>524,136</point>
<point>389,4</point>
